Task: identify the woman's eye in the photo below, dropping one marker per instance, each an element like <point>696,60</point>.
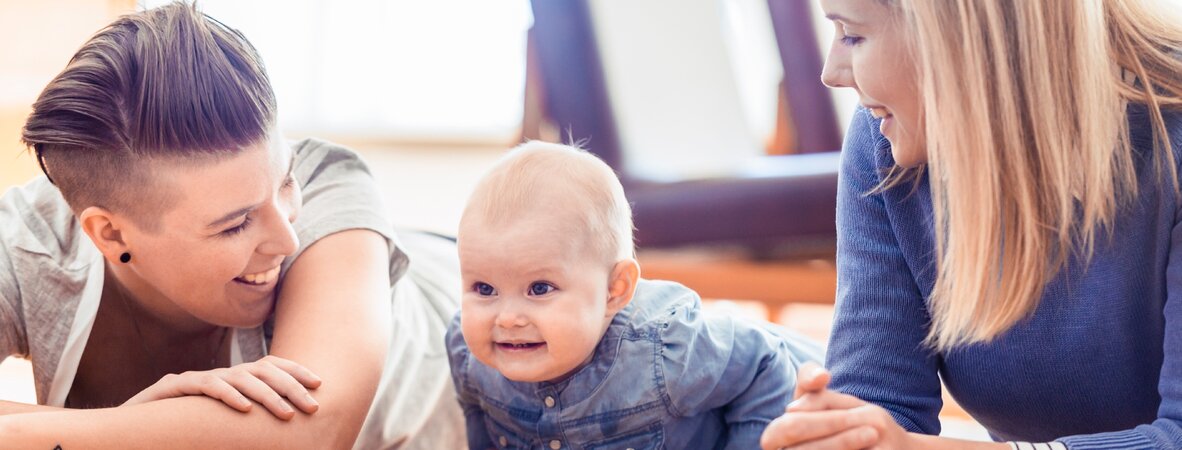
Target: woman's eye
<point>540,288</point>
<point>847,39</point>
<point>237,229</point>
<point>850,41</point>
<point>484,289</point>
<point>288,183</point>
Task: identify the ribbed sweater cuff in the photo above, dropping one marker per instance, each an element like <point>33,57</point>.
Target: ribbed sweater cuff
<point>1129,439</point>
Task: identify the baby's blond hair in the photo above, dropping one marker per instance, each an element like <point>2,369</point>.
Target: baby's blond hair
<point>539,174</point>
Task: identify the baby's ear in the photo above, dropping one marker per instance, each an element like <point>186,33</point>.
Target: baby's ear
<point>622,285</point>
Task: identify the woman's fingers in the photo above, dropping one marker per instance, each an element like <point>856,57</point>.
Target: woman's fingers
<point>254,388</point>
<point>193,383</point>
<point>823,400</point>
<point>810,378</point>
<point>300,373</point>
<point>284,383</point>
<point>851,439</point>
<point>798,428</point>
<point>217,388</point>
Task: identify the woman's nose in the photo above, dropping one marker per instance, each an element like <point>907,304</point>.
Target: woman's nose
<point>281,236</point>
<point>837,73</point>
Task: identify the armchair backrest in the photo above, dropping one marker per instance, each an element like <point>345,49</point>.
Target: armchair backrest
<point>602,103</point>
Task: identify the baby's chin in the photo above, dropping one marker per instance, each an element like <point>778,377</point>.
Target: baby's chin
<point>519,372</point>
<point>531,375</point>
<point>520,378</point>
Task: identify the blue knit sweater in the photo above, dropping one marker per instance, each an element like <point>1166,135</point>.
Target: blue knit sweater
<point>1098,365</point>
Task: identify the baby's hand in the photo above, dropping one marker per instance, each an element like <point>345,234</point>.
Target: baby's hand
<point>266,381</point>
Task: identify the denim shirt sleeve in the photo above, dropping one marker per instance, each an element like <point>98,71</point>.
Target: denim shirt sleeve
<point>718,363</point>
<point>459,356</point>
<point>880,318</point>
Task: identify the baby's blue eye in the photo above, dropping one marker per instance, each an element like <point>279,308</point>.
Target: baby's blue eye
<point>541,288</point>
<point>484,289</point>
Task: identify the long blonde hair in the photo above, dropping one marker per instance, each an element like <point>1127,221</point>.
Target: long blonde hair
<point>1029,157</point>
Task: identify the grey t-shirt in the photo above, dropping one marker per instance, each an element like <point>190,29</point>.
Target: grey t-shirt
<point>51,278</point>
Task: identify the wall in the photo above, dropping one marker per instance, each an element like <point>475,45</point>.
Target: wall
<point>39,37</point>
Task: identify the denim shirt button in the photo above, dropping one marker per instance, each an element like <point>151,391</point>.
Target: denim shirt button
<point>503,441</point>
<point>549,401</point>
<point>555,444</point>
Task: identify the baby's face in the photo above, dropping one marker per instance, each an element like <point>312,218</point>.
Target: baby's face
<point>535,300</point>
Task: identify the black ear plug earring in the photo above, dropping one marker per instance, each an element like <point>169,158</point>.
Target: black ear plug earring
<point>125,258</point>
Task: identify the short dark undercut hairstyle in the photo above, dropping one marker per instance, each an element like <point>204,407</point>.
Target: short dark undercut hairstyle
<point>169,83</point>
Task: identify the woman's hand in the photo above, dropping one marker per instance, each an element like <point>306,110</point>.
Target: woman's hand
<point>267,381</point>
<point>823,419</point>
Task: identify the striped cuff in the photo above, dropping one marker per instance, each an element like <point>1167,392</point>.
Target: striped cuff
<point>1017,445</point>
<point>1110,440</point>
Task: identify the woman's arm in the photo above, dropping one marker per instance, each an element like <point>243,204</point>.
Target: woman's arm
<point>876,349</point>
<point>1166,431</point>
<point>7,407</point>
<point>332,317</point>
<point>875,346</point>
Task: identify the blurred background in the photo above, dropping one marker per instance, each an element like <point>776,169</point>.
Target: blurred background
<point>711,111</point>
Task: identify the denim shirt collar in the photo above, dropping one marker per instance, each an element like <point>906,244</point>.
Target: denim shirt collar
<point>585,381</point>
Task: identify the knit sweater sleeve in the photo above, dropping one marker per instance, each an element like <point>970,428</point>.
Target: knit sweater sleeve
<point>876,351</point>
<point>1166,431</point>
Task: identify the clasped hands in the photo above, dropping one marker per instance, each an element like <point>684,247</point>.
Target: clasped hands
<point>821,419</point>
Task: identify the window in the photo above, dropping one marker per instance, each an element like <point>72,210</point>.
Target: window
<point>390,69</point>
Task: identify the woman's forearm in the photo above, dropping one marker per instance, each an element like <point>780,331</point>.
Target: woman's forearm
<point>7,408</point>
<point>186,422</point>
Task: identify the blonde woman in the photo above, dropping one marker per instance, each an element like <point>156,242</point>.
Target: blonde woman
<point>1009,223</point>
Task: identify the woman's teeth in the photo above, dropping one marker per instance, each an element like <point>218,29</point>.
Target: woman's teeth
<point>879,113</point>
<point>260,278</point>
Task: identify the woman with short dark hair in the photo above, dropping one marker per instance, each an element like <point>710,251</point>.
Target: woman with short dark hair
<point>180,262</point>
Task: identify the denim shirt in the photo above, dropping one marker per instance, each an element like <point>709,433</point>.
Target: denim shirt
<point>664,375</point>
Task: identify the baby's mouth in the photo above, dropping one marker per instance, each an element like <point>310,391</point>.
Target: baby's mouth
<point>519,346</point>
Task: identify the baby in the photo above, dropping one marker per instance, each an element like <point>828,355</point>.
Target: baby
<point>560,344</point>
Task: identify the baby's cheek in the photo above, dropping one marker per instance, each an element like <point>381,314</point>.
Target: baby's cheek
<point>473,334</point>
